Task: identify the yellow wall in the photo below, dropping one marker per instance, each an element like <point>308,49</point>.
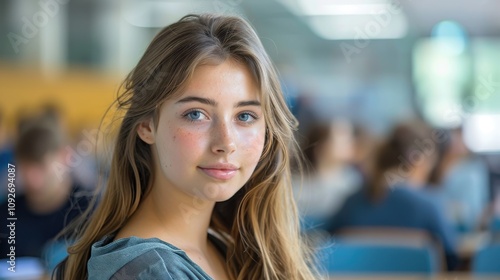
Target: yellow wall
<point>82,95</point>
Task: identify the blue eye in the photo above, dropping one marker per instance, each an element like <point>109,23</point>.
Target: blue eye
<point>194,115</point>
<point>246,117</point>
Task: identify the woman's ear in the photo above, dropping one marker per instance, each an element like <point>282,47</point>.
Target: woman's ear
<point>146,132</point>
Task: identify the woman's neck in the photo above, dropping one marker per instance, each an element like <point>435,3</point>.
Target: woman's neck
<point>181,220</point>
<point>182,215</point>
<point>173,216</point>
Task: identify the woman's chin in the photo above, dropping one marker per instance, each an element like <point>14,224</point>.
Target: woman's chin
<point>218,192</point>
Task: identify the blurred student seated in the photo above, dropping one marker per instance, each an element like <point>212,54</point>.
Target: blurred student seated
<point>6,154</point>
<point>395,197</point>
<point>462,180</point>
<point>330,176</point>
<point>49,199</point>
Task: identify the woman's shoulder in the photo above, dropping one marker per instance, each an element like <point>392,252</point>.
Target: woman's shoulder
<point>140,258</point>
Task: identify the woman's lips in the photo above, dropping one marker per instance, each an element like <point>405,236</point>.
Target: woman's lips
<point>220,174</point>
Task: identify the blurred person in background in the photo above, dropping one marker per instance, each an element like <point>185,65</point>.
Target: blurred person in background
<point>462,179</point>
<point>492,220</point>
<point>329,177</point>
<point>85,171</point>
<point>49,198</point>
<point>363,152</point>
<point>394,198</point>
<point>6,155</point>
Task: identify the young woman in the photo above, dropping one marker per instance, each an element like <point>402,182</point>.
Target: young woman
<point>199,186</point>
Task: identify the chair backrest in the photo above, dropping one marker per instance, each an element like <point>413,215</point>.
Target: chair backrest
<point>388,235</point>
<point>396,236</point>
<point>352,257</point>
<point>487,260</point>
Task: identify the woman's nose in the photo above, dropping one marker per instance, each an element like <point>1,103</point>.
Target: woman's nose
<point>223,137</point>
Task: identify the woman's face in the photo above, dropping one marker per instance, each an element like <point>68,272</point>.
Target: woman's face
<point>209,139</point>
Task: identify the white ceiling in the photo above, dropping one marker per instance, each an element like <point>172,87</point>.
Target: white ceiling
<point>479,18</point>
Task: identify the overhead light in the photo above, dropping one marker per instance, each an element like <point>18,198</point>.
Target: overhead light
<point>359,27</point>
<point>338,7</point>
<point>347,9</point>
<point>351,19</point>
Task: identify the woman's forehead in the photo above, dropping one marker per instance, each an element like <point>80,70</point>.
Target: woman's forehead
<point>225,83</point>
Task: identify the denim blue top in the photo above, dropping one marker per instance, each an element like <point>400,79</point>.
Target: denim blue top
<point>138,258</point>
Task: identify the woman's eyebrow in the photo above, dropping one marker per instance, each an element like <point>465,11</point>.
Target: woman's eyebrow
<point>203,100</point>
<point>214,103</point>
<point>248,103</point>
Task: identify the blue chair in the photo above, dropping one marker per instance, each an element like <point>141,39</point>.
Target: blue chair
<point>364,257</point>
<point>487,260</point>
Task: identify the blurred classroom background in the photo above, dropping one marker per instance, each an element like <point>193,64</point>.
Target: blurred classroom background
<point>398,103</point>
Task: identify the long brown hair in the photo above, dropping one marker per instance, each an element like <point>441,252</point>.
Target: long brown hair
<point>259,223</point>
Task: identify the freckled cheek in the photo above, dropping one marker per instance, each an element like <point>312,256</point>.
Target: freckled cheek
<point>187,142</point>
<point>252,144</point>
